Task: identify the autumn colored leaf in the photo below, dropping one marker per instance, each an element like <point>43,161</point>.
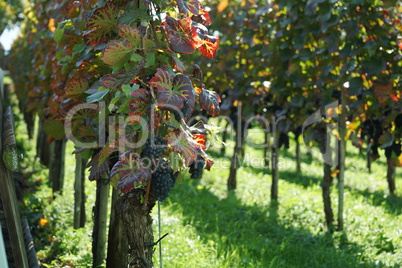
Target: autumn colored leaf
<point>185,144</point>
<point>139,105</point>
<point>180,35</point>
<point>200,139</point>
<point>76,86</point>
<point>116,80</point>
<point>133,172</point>
<point>97,168</point>
<point>101,23</point>
<point>209,48</point>
<point>202,17</point>
<point>131,34</point>
<point>185,6</point>
<point>209,101</point>
<point>115,51</point>
<point>207,44</point>
<point>385,93</point>
<point>172,91</point>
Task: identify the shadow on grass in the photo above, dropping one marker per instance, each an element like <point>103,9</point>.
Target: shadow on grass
<point>391,203</point>
<point>249,236</point>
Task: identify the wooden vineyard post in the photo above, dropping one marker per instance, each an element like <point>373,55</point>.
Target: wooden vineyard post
<point>298,162</point>
<point>391,178</point>
<point>341,159</point>
<point>274,167</point>
<point>7,189</point>
<point>79,192</point>
<point>117,239</point>
<point>266,147</point>
<point>56,165</point>
<point>100,220</point>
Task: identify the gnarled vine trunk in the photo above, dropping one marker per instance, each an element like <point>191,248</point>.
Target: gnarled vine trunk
<point>391,178</point>
<point>137,224</point>
<point>326,195</point>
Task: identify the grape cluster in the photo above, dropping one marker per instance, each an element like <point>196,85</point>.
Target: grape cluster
<point>153,150</point>
<point>395,147</point>
<point>197,167</point>
<point>184,110</point>
<point>283,140</point>
<point>163,180</point>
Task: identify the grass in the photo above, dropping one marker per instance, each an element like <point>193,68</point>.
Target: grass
<point>209,227</point>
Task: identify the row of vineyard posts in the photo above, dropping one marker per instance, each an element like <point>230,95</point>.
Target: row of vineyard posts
<point>290,59</point>
<point>109,75</point>
<point>284,58</point>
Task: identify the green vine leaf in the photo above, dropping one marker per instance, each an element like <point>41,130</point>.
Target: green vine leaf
<point>97,96</point>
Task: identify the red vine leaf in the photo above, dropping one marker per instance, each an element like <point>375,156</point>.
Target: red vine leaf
<point>209,101</point>
<point>183,143</point>
<point>208,44</point>
<point>208,160</point>
<point>101,22</point>
<point>139,105</point>
<point>202,17</point>
<point>186,6</point>
<point>209,48</point>
<point>115,51</point>
<point>76,86</point>
<point>180,35</point>
<point>173,91</point>
<point>133,172</point>
<point>97,168</point>
<point>200,139</point>
<point>385,93</point>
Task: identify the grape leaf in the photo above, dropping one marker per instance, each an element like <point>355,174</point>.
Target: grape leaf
<point>131,34</point>
<point>207,44</point>
<point>209,101</point>
<point>96,168</point>
<point>209,48</point>
<point>107,150</point>
<point>173,91</point>
<point>180,35</point>
<point>116,80</point>
<point>208,160</point>
<point>115,51</point>
<point>139,105</point>
<point>185,144</point>
<point>76,86</point>
<point>54,129</point>
<point>200,139</point>
<point>202,17</point>
<point>186,6</point>
<point>133,172</point>
<point>101,23</point>
<point>97,96</point>
<point>385,93</point>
